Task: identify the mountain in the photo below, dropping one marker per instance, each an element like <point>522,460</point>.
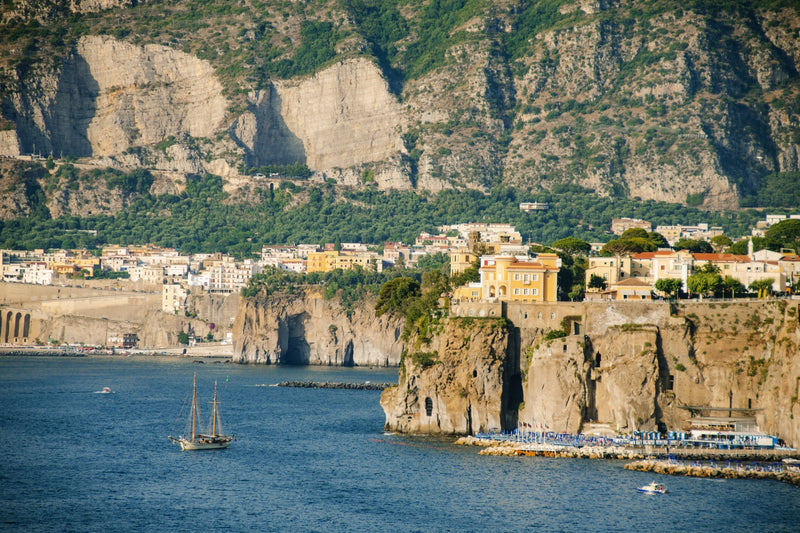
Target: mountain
<point>692,102</point>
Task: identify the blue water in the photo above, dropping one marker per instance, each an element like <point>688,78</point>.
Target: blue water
<point>306,460</point>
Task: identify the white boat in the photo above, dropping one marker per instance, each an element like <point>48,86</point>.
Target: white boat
<point>653,488</point>
<point>197,440</point>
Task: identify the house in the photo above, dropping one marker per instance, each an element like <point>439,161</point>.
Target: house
<point>517,279</point>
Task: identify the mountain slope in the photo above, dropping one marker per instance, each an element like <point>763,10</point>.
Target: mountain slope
<point>689,102</point>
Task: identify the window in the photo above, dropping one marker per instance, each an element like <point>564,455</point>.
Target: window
<point>516,277</point>
<point>536,277</point>
<point>539,316</point>
<point>516,291</point>
<point>535,292</point>
<point>525,291</point>
<point>552,316</point>
<point>525,277</point>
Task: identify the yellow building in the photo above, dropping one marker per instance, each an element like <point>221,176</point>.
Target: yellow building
<point>331,260</point>
<point>520,279</point>
<point>460,260</point>
<point>319,261</point>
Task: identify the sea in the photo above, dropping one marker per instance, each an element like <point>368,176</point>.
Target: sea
<point>75,459</point>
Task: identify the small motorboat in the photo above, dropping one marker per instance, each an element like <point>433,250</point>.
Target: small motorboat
<point>106,390</point>
<point>653,488</point>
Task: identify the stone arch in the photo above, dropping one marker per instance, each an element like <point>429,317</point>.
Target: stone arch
<point>26,326</point>
<point>9,315</point>
<point>503,290</point>
<point>491,291</point>
<point>17,319</point>
<point>428,406</point>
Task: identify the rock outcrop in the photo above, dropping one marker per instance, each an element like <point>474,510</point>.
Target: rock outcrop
<point>306,329</point>
<point>343,116</point>
<point>625,366</point>
<point>465,385</point>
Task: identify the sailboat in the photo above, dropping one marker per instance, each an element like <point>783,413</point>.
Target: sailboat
<point>197,440</point>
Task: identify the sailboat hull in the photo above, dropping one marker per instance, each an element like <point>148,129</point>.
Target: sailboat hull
<point>215,443</point>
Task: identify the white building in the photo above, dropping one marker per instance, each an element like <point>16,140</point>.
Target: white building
<point>37,273</point>
<point>173,298</point>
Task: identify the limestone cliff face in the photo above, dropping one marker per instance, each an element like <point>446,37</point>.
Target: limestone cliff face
<point>656,105</point>
<point>629,366</point>
<point>343,116</point>
<point>307,329</point>
<point>464,386</point>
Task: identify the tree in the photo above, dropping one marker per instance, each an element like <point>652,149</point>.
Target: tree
<point>785,233</point>
<point>633,245</point>
<point>762,286</point>
<point>183,338</point>
<point>720,242</point>
<point>669,286</point>
<point>696,247</point>
<point>572,246</point>
<point>597,282</point>
<point>397,295</point>
<point>732,286</point>
<point>657,239</point>
<point>704,282</point>
<point>468,275</point>
<point>634,233</point>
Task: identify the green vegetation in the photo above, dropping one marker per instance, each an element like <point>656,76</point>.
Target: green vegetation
<point>669,286</point>
<point>777,190</point>
<point>205,218</point>
<point>706,281</point>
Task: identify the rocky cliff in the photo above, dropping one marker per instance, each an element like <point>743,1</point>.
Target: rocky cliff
<point>624,99</point>
<point>306,329</point>
<point>464,385</point>
<point>626,366</point>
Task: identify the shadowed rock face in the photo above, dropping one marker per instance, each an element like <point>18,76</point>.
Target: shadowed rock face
<point>112,95</point>
<point>307,329</point>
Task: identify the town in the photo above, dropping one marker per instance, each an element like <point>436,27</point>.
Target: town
<point>508,269</point>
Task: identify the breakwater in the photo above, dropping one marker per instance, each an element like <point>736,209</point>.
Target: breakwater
<point>730,470</point>
<point>43,352</point>
<point>367,385</point>
<point>596,449</point>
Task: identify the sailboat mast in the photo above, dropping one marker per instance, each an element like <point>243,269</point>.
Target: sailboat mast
<point>214,421</point>
<point>194,407</point>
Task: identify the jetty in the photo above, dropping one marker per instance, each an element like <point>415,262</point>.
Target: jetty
<point>778,471</point>
<point>367,385</point>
